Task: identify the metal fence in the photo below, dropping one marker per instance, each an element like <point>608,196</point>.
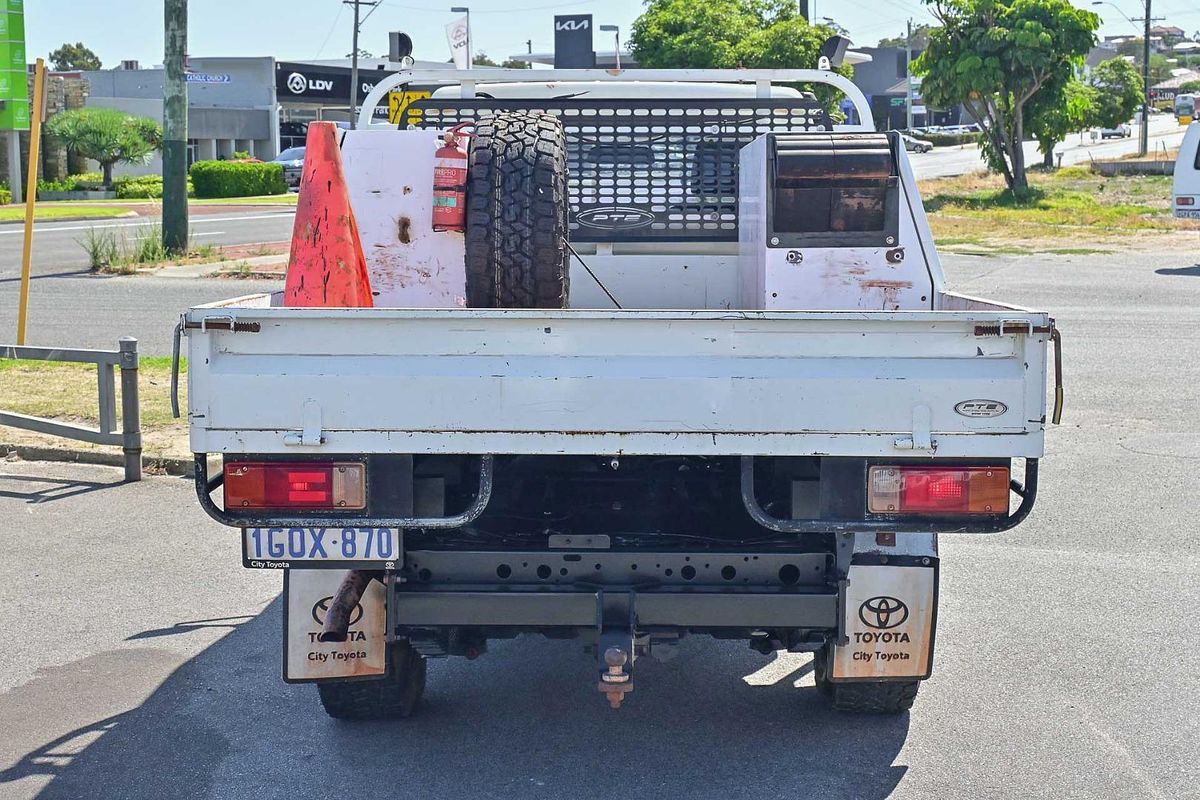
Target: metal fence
<point>107,361</point>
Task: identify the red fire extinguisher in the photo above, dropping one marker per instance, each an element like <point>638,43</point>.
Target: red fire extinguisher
<point>450,181</point>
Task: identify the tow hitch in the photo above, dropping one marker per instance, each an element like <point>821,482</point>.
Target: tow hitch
<point>615,681</point>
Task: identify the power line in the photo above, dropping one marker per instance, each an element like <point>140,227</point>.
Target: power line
<point>332,28</point>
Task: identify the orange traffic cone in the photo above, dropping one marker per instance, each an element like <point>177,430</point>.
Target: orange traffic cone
<point>327,266</point>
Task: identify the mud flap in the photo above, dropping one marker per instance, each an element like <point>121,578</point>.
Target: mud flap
<point>307,594</point>
<point>890,613</point>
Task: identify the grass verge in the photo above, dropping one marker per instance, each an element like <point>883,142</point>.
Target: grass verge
<point>1070,212</point>
<point>44,213</point>
<point>67,392</point>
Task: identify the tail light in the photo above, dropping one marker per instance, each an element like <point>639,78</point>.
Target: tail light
<point>313,485</point>
<point>1181,200</point>
<point>937,490</point>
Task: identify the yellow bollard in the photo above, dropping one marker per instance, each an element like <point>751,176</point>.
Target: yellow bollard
<point>36,117</point>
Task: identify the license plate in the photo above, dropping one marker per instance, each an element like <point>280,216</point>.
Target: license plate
<point>281,548</point>
<point>1188,213</point>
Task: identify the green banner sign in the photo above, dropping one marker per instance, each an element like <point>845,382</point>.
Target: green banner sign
<point>14,67</point>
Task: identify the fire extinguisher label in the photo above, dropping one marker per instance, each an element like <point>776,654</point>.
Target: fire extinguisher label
<point>450,201</point>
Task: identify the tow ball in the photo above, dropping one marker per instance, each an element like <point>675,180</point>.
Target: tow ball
<point>614,680</point>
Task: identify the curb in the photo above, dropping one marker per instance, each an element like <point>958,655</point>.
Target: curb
<point>180,467</point>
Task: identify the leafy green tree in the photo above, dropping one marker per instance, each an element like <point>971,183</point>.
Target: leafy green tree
<point>73,56</point>
<point>107,136</point>
<point>1119,92</point>
<point>1058,110</point>
<point>1191,87</point>
<point>729,34</point>
<point>993,56</point>
<point>920,38</point>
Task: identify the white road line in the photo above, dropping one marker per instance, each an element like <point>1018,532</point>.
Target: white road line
<point>44,227</point>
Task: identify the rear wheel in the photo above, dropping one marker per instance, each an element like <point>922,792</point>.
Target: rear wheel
<point>394,696</point>
<point>516,252</point>
<point>864,697</point>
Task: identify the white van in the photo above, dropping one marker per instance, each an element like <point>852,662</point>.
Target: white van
<point>1187,175</point>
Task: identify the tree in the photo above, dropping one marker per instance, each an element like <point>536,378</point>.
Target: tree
<point>729,34</point>
<point>515,63</point>
<point>107,136</point>
<point>73,56</point>
<point>920,38</point>
<point>1191,87</point>
<point>1058,110</point>
<point>481,60</point>
<point>1119,92</point>
<point>993,56</point>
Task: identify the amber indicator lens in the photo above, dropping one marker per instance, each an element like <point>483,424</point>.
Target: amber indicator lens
<point>310,485</point>
<point>937,490</point>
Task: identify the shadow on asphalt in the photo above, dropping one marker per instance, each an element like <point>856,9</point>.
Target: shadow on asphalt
<point>190,625</point>
<point>1193,270</point>
<point>38,490</point>
<point>523,721</point>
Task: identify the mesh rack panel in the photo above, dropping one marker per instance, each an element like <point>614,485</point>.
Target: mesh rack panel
<point>649,169</point>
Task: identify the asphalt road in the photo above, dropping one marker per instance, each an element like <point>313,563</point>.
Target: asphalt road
<point>58,248</point>
<point>74,308</point>
<point>142,661</point>
<point>944,162</point>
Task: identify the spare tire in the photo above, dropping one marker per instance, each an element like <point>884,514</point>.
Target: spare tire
<point>516,251</point>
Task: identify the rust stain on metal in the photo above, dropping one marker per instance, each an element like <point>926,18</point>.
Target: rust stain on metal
<point>404,230</point>
<point>882,284</point>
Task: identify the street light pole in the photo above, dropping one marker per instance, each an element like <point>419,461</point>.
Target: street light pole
<point>616,31</point>
<point>908,78</point>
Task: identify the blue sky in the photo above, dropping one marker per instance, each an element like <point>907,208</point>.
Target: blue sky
<point>305,29</point>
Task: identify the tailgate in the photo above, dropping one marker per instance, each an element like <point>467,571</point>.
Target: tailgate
<point>270,380</point>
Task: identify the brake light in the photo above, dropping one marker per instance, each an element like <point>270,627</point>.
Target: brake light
<point>937,490</point>
<point>301,484</point>
<point>1180,200</point>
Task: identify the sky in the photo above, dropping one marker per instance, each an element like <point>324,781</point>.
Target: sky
<point>308,29</point>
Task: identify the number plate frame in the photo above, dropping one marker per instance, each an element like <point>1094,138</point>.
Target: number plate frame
<point>324,551</point>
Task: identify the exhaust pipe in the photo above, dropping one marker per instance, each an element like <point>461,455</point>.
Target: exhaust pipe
<point>345,600</point>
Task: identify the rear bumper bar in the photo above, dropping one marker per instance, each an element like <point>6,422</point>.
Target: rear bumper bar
<point>725,609</point>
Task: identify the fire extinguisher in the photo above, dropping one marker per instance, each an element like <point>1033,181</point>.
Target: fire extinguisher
<point>450,181</point>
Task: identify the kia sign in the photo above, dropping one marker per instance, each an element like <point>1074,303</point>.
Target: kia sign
<point>573,42</point>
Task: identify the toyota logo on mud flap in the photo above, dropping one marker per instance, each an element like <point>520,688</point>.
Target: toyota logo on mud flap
<point>321,607</point>
<point>297,83</point>
<point>883,612</point>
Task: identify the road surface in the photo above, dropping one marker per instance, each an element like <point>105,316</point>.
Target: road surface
<point>945,162</point>
<point>58,246</point>
<point>141,661</point>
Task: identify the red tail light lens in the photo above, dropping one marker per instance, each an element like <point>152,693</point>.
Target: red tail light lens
<point>303,484</point>
<point>937,490</point>
<point>1181,200</point>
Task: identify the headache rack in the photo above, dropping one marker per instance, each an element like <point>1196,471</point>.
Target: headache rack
<point>644,170</point>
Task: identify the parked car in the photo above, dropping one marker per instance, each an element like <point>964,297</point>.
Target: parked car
<point>292,160</point>
<point>914,145</point>
<point>1122,131</point>
<point>1187,175</point>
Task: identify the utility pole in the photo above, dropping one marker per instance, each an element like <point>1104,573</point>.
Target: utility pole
<point>1144,136</point>
<point>175,124</point>
<point>354,53</point>
<point>908,77</point>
